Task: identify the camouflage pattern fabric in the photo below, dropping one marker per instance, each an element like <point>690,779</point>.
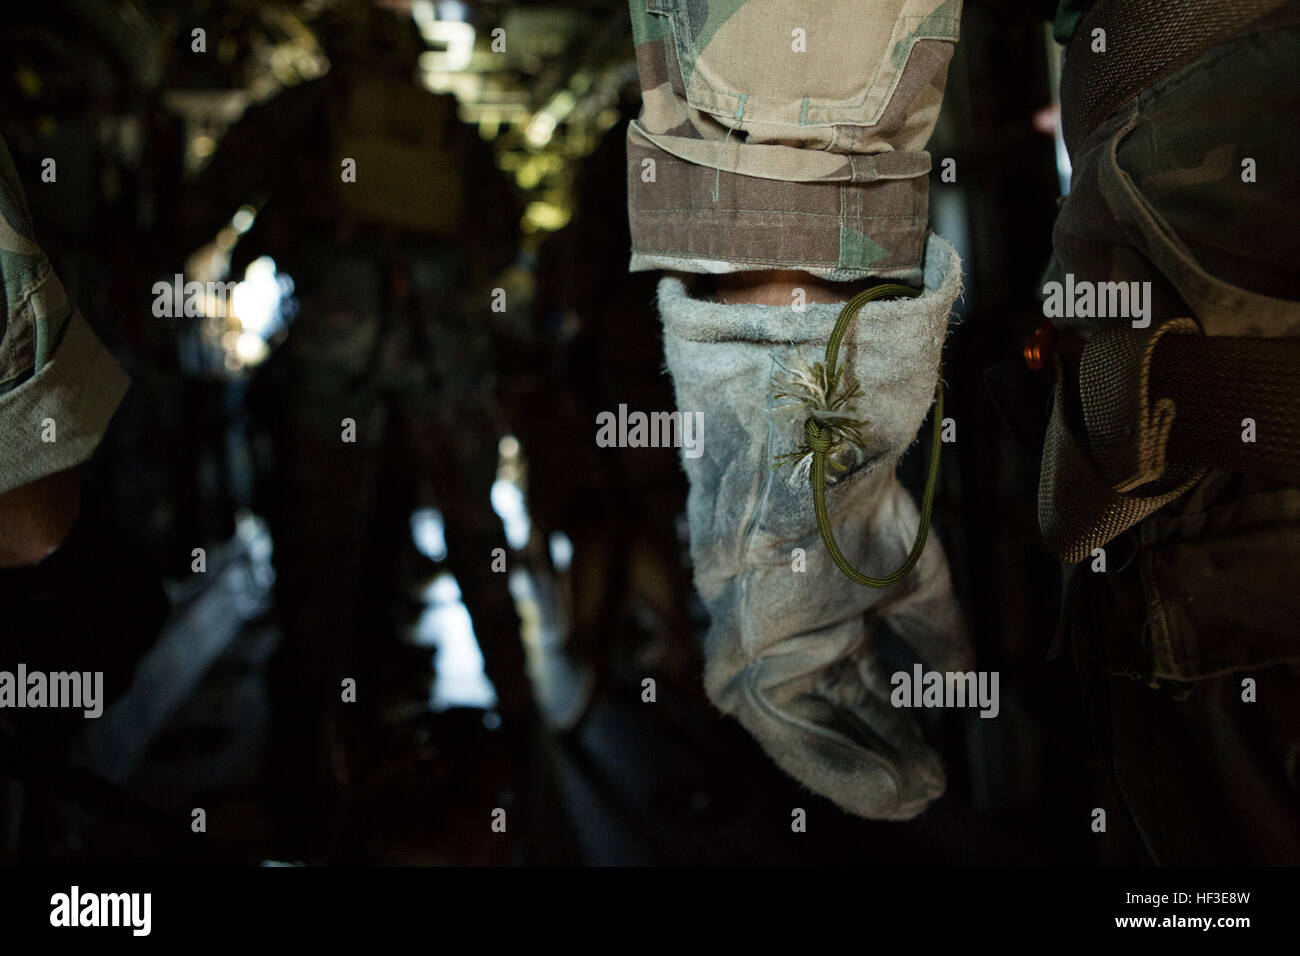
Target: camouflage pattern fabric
<point>774,136</point>
<point>1168,192</point>
<point>1199,595</point>
<point>59,386</point>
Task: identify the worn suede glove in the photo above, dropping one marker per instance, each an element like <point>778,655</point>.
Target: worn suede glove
<point>796,655</point>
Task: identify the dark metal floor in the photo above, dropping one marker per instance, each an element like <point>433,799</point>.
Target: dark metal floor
<point>666,783</point>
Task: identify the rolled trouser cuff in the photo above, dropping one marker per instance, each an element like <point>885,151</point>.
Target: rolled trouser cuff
<point>694,218</point>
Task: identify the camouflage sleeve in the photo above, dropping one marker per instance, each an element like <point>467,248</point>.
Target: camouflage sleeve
<point>59,386</point>
<point>792,136</point>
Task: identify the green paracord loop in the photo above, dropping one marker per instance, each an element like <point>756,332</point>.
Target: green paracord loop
<point>821,443</point>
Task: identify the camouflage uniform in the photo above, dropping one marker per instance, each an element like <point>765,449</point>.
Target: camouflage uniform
<point>750,155</point>
<point>1200,594</point>
<point>94,604</point>
<point>775,137</point>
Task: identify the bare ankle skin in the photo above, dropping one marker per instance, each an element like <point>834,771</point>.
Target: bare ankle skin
<point>780,287</point>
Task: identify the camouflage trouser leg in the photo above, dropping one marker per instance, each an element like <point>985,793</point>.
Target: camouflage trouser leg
<point>456,442</point>
<point>1189,644</point>
<point>779,136</point>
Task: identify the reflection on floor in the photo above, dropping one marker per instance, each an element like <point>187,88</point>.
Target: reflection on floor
<point>632,783</point>
<point>445,626</point>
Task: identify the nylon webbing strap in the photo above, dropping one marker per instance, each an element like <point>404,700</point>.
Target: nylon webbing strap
<point>1086,498</point>
<point>1237,401</point>
<point>1145,41</point>
<point>1158,410</point>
